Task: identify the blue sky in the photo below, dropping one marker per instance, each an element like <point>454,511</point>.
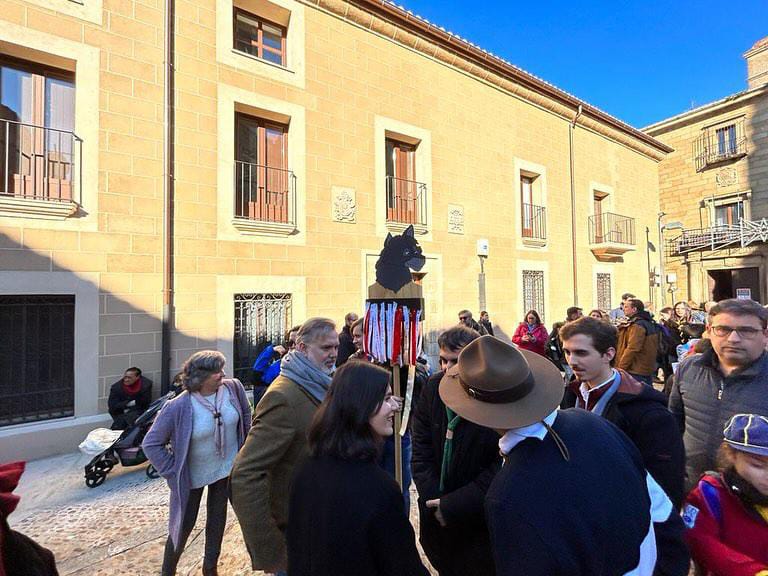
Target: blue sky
<point>639,61</point>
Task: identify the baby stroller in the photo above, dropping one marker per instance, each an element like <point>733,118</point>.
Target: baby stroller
<point>127,448</point>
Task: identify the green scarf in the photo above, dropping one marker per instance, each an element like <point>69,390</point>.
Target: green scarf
<point>453,421</point>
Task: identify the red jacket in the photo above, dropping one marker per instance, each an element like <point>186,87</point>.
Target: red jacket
<point>539,345</point>
<point>737,544</point>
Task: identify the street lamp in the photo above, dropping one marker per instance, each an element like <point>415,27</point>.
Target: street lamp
<point>668,226</point>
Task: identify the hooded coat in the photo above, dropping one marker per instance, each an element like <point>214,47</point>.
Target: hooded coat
<point>638,345</point>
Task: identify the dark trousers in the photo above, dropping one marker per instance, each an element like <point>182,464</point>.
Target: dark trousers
<point>215,522</point>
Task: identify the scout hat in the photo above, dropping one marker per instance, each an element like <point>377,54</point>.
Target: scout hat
<point>748,433</point>
<point>500,386</point>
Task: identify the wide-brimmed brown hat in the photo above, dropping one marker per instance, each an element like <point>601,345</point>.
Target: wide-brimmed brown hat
<point>501,386</point>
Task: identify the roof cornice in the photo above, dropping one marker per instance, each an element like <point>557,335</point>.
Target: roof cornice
<point>404,27</point>
<point>705,110</point>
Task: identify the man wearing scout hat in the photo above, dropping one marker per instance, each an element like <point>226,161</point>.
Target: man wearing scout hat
<point>573,496</point>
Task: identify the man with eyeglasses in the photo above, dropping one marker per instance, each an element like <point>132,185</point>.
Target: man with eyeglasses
<point>465,317</point>
<point>729,379</point>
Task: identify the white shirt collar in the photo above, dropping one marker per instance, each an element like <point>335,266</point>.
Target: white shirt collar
<point>585,390</point>
<point>536,430</point>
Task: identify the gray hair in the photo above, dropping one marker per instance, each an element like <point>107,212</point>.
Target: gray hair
<point>200,366</point>
<point>313,329</point>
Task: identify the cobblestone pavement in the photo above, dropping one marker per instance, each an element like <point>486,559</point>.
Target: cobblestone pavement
<point>119,527</point>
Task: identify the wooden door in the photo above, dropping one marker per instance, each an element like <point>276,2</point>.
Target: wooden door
<point>526,201</point>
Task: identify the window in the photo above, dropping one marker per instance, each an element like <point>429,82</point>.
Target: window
<point>726,140</point>
<point>604,291</point>
<point>729,214</point>
<point>533,291</point>
<point>260,38</point>
<point>260,319</point>
<point>37,139</point>
<point>264,186</point>
<point>37,348</point>
<point>406,198</point>
<point>533,216</point>
<point>597,211</point>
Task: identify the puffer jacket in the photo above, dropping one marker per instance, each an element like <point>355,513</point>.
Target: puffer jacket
<point>638,345</point>
<point>703,400</point>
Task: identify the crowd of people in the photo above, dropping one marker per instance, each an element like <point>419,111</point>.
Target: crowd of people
<point>557,453</point>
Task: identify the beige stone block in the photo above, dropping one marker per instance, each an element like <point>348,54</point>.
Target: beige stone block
<point>116,203</point>
<point>10,237</point>
<point>28,260</point>
<point>209,265</point>
<point>99,241</point>
<point>132,67</point>
<point>79,261</point>
<point>230,249</point>
<point>114,324</point>
<point>115,163</point>
<point>148,91</point>
<point>146,244</point>
<point>190,247</point>
<point>147,206</point>
<point>113,367</point>
<point>129,343</point>
<point>135,107</point>
<point>130,263</point>
<point>52,24</point>
<point>144,323</point>
<point>37,238</point>
<point>252,267</point>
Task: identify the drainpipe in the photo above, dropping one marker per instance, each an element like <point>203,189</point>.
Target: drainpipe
<point>168,187</point>
<point>571,128</point>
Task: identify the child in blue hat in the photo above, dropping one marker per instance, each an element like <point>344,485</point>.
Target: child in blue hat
<point>727,513</point>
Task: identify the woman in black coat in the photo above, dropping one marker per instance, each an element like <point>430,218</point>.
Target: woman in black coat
<point>345,515</point>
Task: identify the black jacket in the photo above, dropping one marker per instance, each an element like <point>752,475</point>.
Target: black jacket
<point>119,399</point>
<point>641,413</point>
<point>583,517</point>
<point>346,346</point>
<point>346,519</point>
<point>463,546</point>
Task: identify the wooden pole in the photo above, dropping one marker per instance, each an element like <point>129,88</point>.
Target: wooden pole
<point>397,391</point>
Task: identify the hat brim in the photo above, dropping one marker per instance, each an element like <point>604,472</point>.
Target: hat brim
<point>546,395</point>
<point>757,450</point>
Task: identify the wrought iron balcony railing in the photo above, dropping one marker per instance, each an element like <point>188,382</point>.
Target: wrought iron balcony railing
<point>719,237</point>
<point>716,145</point>
<point>265,194</point>
<point>610,228</point>
<point>406,202</point>
<point>534,222</point>
<point>39,163</point>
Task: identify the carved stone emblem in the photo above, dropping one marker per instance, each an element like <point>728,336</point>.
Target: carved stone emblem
<point>726,177</point>
<point>343,204</point>
<point>455,219</point>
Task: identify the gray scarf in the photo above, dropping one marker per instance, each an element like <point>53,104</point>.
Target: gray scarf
<point>300,369</point>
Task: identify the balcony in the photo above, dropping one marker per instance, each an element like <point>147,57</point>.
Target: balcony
<point>39,170</point>
<point>265,199</point>
<point>534,225</point>
<point>719,237</point>
<point>716,146</point>
<point>406,205</point>
<point>611,235</point>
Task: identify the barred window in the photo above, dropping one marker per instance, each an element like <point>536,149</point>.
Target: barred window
<point>604,291</point>
<point>533,291</point>
<point>37,352</point>
<point>260,319</point>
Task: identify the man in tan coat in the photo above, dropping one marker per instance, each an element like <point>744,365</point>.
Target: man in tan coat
<point>277,442</point>
<point>638,342</point>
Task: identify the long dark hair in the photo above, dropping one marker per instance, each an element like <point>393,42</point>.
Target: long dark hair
<point>535,314</point>
<point>341,426</point>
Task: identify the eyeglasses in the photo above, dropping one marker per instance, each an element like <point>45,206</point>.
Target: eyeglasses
<point>291,343</point>
<point>745,332</point>
<point>463,318</point>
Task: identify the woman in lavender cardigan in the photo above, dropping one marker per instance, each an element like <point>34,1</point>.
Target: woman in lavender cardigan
<point>193,443</point>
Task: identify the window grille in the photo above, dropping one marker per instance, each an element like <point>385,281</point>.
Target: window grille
<point>604,291</point>
<point>37,350</point>
<point>533,291</point>
<point>260,319</point>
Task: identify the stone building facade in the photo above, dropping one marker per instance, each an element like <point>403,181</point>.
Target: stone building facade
<point>303,132</point>
<point>715,184</point>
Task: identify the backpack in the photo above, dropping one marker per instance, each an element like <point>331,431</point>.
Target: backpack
<point>665,343</point>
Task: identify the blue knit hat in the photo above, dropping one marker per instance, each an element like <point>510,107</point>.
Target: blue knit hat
<point>748,433</point>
